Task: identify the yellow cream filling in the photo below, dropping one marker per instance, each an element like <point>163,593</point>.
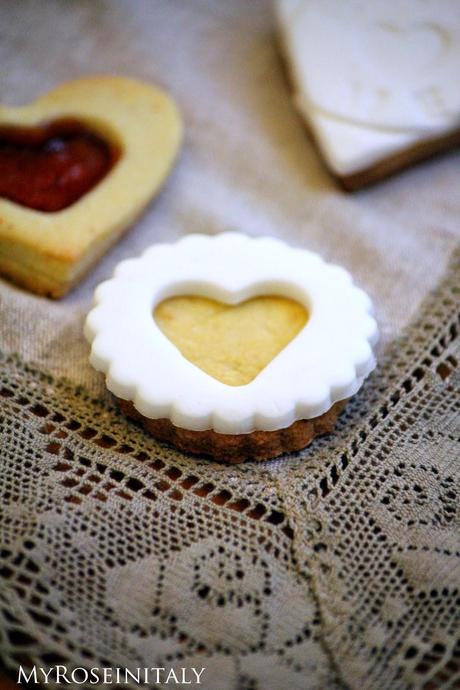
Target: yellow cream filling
<point>232,343</point>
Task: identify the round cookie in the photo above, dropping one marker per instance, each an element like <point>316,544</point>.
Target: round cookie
<point>233,347</point>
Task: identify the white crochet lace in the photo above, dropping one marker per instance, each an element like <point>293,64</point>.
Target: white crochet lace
<point>335,567</point>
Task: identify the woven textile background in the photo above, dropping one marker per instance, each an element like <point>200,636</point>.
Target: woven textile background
<point>337,567</point>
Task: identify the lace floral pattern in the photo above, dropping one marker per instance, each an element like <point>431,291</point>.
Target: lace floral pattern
<point>334,567</point>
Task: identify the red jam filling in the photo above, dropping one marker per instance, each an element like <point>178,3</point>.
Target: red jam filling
<point>50,166</point>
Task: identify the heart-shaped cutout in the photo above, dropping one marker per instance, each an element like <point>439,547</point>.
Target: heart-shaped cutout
<point>77,167</point>
<point>49,167</point>
<point>232,343</point>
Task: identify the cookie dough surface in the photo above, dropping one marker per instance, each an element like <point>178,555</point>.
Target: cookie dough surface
<point>232,343</point>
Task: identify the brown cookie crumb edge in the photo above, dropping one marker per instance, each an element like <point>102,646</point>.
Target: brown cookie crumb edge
<point>236,448</point>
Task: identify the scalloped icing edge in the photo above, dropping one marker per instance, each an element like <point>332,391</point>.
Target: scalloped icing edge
<point>325,363</point>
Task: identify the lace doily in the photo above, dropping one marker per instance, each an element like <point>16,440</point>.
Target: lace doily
<point>335,567</point>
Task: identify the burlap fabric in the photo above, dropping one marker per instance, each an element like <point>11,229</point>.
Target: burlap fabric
<point>335,567</point>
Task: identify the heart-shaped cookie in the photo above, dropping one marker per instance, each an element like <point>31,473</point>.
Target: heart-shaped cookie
<point>77,166</point>
<point>231,342</point>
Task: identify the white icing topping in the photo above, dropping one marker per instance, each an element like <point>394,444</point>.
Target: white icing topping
<point>379,75</point>
<point>384,64</point>
<point>349,148</point>
<point>326,362</point>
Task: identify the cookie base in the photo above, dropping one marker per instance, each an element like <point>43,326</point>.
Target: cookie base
<point>23,271</point>
<point>39,283</point>
<point>236,448</point>
<point>409,157</point>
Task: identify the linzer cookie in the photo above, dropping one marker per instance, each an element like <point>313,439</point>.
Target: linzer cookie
<point>76,168</point>
<point>232,347</point>
<point>375,81</point>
